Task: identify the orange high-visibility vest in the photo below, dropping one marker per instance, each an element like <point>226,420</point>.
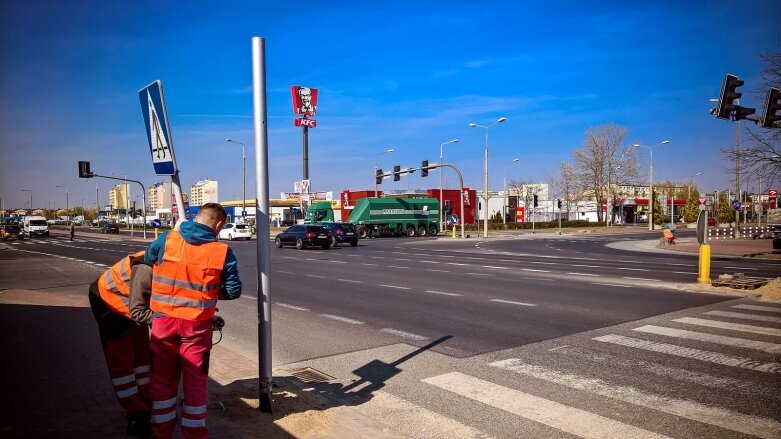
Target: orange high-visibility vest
<point>114,284</point>
<point>188,283</point>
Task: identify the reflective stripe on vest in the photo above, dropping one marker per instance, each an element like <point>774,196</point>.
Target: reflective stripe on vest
<point>188,282</point>
<point>114,284</point>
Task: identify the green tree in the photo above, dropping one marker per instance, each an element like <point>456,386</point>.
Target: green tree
<point>691,210</point>
<point>659,216</point>
<point>724,213</point>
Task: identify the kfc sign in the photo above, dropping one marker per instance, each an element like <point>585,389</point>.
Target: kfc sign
<point>304,100</point>
<point>303,122</point>
<point>772,198</point>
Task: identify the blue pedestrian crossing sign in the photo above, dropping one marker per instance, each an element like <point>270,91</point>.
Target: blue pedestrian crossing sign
<point>158,131</point>
<point>156,223</point>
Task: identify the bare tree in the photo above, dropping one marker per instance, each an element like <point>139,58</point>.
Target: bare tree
<point>568,185</point>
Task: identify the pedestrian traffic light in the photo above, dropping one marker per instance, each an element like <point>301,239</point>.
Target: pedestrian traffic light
<point>535,201</point>
<point>729,92</point>
<point>84,171</point>
<point>772,106</point>
<point>397,173</point>
<point>378,176</point>
<point>558,203</point>
<point>424,168</point>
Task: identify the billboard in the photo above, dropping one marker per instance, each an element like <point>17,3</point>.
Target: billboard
<point>304,100</point>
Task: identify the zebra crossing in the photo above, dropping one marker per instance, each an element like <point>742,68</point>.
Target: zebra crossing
<point>711,372</point>
<point>63,240</point>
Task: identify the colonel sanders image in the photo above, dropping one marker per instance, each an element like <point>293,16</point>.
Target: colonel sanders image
<point>305,100</point>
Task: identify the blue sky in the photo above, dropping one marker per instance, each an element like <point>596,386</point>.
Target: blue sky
<point>402,75</point>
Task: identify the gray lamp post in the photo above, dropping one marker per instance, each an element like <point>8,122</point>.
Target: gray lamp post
<point>387,151</point>
<point>441,202</point>
<point>651,183</point>
<point>485,176</point>
<point>67,210</point>
<point>31,199</point>
<point>243,177</point>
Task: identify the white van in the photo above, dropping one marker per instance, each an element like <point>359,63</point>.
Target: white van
<point>35,226</point>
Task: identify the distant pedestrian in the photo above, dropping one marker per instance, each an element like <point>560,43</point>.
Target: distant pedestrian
<point>72,229</point>
<point>191,271</point>
<point>125,343</point>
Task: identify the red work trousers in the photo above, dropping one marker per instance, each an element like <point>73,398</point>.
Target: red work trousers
<point>180,348</point>
<point>126,350</point>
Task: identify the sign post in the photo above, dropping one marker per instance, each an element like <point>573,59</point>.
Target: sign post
<point>304,104</point>
<point>158,133</point>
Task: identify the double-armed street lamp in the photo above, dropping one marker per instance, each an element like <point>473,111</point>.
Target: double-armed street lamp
<point>31,198</point>
<point>243,177</point>
<point>485,197</point>
<point>376,188</point>
<point>441,201</point>
<point>504,199</point>
<point>651,182</point>
<point>67,211</point>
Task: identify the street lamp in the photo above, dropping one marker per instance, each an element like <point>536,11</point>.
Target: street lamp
<point>504,199</point>
<point>31,199</point>
<point>651,182</point>
<point>243,177</point>
<point>67,212</point>
<point>441,201</point>
<point>691,177</point>
<point>485,177</point>
<point>376,189</point>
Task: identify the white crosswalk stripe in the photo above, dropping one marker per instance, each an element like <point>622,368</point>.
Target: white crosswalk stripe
<point>773,348</point>
<point>560,416</point>
<point>732,326</point>
<point>740,315</point>
<point>753,425</point>
<point>758,308</point>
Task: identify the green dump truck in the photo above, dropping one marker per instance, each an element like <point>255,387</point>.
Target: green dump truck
<point>385,216</point>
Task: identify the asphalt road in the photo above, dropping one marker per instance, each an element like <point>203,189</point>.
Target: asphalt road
<point>475,335</point>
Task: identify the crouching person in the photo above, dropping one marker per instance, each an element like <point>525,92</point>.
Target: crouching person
<point>191,271</point>
<point>125,343</point>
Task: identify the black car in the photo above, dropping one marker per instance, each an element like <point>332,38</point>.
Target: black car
<point>303,236</point>
<point>11,230</point>
<point>109,228</point>
<point>342,233</point>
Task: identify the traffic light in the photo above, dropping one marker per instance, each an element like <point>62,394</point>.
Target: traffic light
<point>378,176</point>
<point>424,168</point>
<point>729,92</point>
<point>742,112</point>
<point>84,171</point>
<point>535,201</point>
<point>772,105</point>
<point>558,203</point>
<point>397,173</point>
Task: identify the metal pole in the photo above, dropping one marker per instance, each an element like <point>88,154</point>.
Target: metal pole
<point>306,153</point>
<point>97,203</point>
<point>651,199</point>
<point>504,199</point>
<point>441,201</point>
<point>262,221</point>
<point>485,181</point>
<point>759,194</point>
<point>244,183</point>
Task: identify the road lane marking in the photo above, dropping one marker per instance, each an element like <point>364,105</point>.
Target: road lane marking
<point>497,268</point>
<point>443,293</point>
<point>350,280</point>
<point>288,306</point>
<point>394,286</point>
<point>438,271</point>
<point>536,271</point>
<point>317,276</point>
<point>773,348</point>
<point>377,257</point>
<point>727,419</point>
<point>696,354</point>
<point>342,319</point>
<point>641,278</point>
<point>740,315</point>
<point>612,285</point>
<point>632,269</point>
<point>587,266</point>
<point>510,302</point>
<point>404,334</point>
<point>543,263</point>
<point>400,259</point>
<point>369,265</point>
<point>553,414</point>
<point>286,272</point>
<point>583,274</point>
<point>339,262</point>
<point>758,308</point>
<point>397,266</point>
<point>481,274</point>
<point>684,272</point>
<point>740,268</point>
<point>430,262</point>
<point>354,256</point>
<point>732,326</point>
<point>539,279</point>
<point>288,257</point>
<point>456,263</point>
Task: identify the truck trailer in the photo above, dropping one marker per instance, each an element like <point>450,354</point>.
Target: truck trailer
<point>385,216</point>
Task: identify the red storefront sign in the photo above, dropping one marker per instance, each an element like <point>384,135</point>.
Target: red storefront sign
<point>304,100</point>
<point>304,122</point>
<point>772,197</point>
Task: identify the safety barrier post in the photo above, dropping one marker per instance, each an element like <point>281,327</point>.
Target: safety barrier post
<point>704,272</point>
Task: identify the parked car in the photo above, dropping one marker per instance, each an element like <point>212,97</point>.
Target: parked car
<point>232,231</point>
<point>342,233</point>
<point>11,230</point>
<point>109,228</point>
<point>712,222</point>
<point>303,236</point>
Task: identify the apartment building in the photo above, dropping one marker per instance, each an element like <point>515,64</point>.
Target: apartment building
<point>159,196</point>
<point>119,195</point>
<point>204,191</point>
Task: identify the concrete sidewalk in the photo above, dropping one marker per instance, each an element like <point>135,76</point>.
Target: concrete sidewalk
<point>730,248</point>
<point>55,382</point>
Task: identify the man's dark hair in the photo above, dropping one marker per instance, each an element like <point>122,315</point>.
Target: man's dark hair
<point>214,211</point>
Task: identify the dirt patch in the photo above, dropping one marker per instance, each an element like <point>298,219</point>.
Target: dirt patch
<point>771,290</point>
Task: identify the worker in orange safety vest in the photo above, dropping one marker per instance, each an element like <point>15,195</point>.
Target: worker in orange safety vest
<point>125,343</point>
<point>191,271</point>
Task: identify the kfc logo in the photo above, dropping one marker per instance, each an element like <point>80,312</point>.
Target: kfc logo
<point>304,100</point>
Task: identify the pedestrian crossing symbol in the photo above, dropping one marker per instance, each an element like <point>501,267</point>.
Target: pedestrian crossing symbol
<point>157,128</point>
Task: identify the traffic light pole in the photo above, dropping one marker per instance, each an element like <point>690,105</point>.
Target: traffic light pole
<point>143,191</point>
